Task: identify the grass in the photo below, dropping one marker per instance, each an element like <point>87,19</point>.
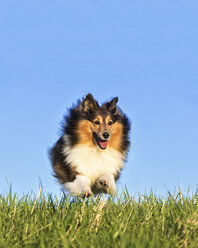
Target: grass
<point>149,221</point>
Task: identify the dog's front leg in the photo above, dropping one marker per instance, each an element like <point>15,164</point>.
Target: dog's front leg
<point>79,187</point>
<point>106,182</point>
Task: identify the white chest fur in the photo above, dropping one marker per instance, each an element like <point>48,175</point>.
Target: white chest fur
<point>93,162</point>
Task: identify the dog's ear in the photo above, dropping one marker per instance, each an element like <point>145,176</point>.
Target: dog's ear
<point>89,103</point>
<point>112,105</point>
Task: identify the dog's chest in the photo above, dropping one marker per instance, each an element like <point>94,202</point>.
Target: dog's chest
<point>92,162</point>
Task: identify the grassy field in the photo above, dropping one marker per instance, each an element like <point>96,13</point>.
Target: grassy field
<point>149,221</point>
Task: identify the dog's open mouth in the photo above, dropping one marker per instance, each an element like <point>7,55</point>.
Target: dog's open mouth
<point>102,144</point>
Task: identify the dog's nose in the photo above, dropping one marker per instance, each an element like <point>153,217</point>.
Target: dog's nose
<point>105,135</point>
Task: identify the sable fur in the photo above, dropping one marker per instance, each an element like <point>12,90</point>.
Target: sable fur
<point>83,160</point>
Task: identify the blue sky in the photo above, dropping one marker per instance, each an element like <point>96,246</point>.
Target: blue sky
<point>144,52</point>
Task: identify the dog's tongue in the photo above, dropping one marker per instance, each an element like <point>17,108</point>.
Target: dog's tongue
<point>103,144</point>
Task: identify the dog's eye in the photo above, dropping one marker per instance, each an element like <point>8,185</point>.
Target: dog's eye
<point>110,123</point>
<point>97,122</point>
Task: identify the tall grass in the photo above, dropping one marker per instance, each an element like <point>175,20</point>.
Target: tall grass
<point>149,221</point>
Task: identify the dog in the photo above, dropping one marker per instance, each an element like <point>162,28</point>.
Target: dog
<point>90,154</point>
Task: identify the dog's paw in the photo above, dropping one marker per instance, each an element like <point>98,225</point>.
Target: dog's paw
<point>106,184</point>
<point>78,188</point>
<point>103,182</point>
<point>86,193</point>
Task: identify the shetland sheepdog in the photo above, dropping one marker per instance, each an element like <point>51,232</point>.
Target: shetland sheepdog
<point>88,157</point>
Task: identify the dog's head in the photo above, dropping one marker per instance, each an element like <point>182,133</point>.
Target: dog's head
<point>101,122</point>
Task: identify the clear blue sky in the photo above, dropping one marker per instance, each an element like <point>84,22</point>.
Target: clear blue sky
<point>53,52</point>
